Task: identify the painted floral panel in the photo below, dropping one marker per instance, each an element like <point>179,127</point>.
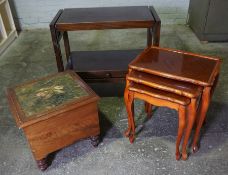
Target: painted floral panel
<point>46,94</point>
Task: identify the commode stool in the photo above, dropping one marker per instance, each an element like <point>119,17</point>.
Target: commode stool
<point>54,112</point>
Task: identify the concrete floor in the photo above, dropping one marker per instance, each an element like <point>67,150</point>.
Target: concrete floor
<point>31,56</point>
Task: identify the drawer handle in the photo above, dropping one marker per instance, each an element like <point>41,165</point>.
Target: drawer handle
<point>108,75</point>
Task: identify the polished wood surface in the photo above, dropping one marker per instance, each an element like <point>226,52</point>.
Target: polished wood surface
<point>58,127</point>
<point>169,85</point>
<point>105,18</point>
<point>158,98</point>
<point>177,65</point>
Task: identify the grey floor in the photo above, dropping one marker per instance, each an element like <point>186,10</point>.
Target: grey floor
<point>31,56</point>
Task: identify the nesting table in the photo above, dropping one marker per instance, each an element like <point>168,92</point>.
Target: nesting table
<point>179,67</point>
<point>54,112</point>
<point>102,66</point>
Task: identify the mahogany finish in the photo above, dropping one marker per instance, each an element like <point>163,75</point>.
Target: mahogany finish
<point>59,126</point>
<point>98,19</point>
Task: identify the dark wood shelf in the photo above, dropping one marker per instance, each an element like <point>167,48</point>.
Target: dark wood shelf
<point>109,65</point>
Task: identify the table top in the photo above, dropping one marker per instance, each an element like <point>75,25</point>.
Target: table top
<point>178,65</point>
<point>39,97</point>
<point>105,17</point>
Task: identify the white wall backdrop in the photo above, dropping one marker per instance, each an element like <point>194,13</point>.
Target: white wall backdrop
<point>30,14</point>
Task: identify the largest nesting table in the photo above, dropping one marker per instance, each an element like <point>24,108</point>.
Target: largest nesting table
<point>102,66</point>
<point>195,69</point>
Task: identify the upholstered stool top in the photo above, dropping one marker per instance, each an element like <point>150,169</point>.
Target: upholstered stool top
<point>38,97</point>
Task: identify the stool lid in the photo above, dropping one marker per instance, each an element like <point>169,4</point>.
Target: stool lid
<point>47,95</point>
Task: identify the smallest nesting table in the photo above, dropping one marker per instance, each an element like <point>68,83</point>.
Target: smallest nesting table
<point>54,112</point>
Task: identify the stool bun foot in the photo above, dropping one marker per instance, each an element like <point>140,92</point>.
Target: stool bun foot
<point>195,148</point>
<point>42,164</point>
<point>95,140</point>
